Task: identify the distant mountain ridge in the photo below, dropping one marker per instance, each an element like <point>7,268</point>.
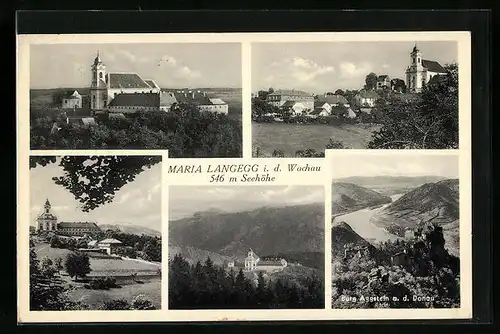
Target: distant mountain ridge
<point>130,228</point>
<point>391,185</point>
<point>432,202</point>
<point>348,197</point>
<point>268,230</point>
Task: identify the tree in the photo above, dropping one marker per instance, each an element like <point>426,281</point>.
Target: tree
<point>339,92</point>
<point>270,90</point>
<point>371,81</point>
<point>278,154</point>
<point>46,290</point>
<point>77,265</point>
<point>262,94</point>
<point>334,144</point>
<point>58,263</point>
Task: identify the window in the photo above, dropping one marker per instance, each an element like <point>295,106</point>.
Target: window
<point>100,75</point>
<point>419,60</point>
<point>413,60</point>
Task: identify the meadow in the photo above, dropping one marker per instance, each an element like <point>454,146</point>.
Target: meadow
<point>290,138</point>
<point>150,287</point>
<point>103,267</point>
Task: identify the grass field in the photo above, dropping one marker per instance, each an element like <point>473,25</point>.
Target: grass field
<point>150,288</point>
<point>103,267</point>
<point>293,137</point>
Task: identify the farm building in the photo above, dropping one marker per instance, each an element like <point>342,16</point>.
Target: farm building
<point>72,100</point>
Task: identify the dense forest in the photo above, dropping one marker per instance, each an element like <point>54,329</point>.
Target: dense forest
<point>185,132</point>
<point>426,275</point>
<point>207,286</point>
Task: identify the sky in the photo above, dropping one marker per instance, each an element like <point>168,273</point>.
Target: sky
<point>395,165</point>
<point>138,202</point>
<point>184,201</point>
<point>319,67</point>
<point>179,65</point>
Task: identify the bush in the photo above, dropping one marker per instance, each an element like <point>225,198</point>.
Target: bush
<point>116,304</point>
<point>141,302</point>
<point>101,283</point>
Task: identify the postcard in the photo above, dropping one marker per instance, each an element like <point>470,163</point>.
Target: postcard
<point>244,177</point>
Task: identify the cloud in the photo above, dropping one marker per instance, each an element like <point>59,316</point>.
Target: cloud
<point>385,66</point>
<point>175,68</point>
<point>297,69</point>
<point>351,70</point>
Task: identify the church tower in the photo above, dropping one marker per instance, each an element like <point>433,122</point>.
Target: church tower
<point>415,76</point>
<point>98,86</point>
<point>46,221</point>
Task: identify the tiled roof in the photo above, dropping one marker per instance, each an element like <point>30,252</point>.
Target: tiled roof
<point>136,100</point>
<point>110,241</point>
<point>288,104</point>
<point>167,98</point>
<point>77,225</point>
<point>433,66</point>
<point>151,83</point>
<point>217,101</point>
<point>126,80</point>
<point>290,92</point>
<point>368,94</point>
<point>264,263</point>
<point>335,99</point>
<point>102,84</point>
<point>69,94</point>
<point>319,103</point>
<point>194,98</point>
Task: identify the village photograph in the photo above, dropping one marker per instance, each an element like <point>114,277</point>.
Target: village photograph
<point>95,240</point>
<point>395,231</point>
<point>248,247</point>
<point>312,96</point>
<point>184,97</point>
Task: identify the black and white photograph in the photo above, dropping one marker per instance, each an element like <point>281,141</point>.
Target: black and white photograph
<point>95,233</point>
<point>312,96</point>
<point>395,231</point>
<point>184,97</point>
<point>246,247</point>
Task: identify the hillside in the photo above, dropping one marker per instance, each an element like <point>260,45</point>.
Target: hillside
<point>348,197</point>
<point>391,185</point>
<point>193,255</point>
<point>131,229</point>
<point>432,202</point>
<point>343,234</point>
<point>291,229</point>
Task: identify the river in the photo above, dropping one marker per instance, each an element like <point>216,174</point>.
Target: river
<point>360,223</point>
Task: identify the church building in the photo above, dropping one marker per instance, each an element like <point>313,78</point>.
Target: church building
<point>47,222</point>
<point>253,263</point>
<point>421,71</point>
<point>105,86</point>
